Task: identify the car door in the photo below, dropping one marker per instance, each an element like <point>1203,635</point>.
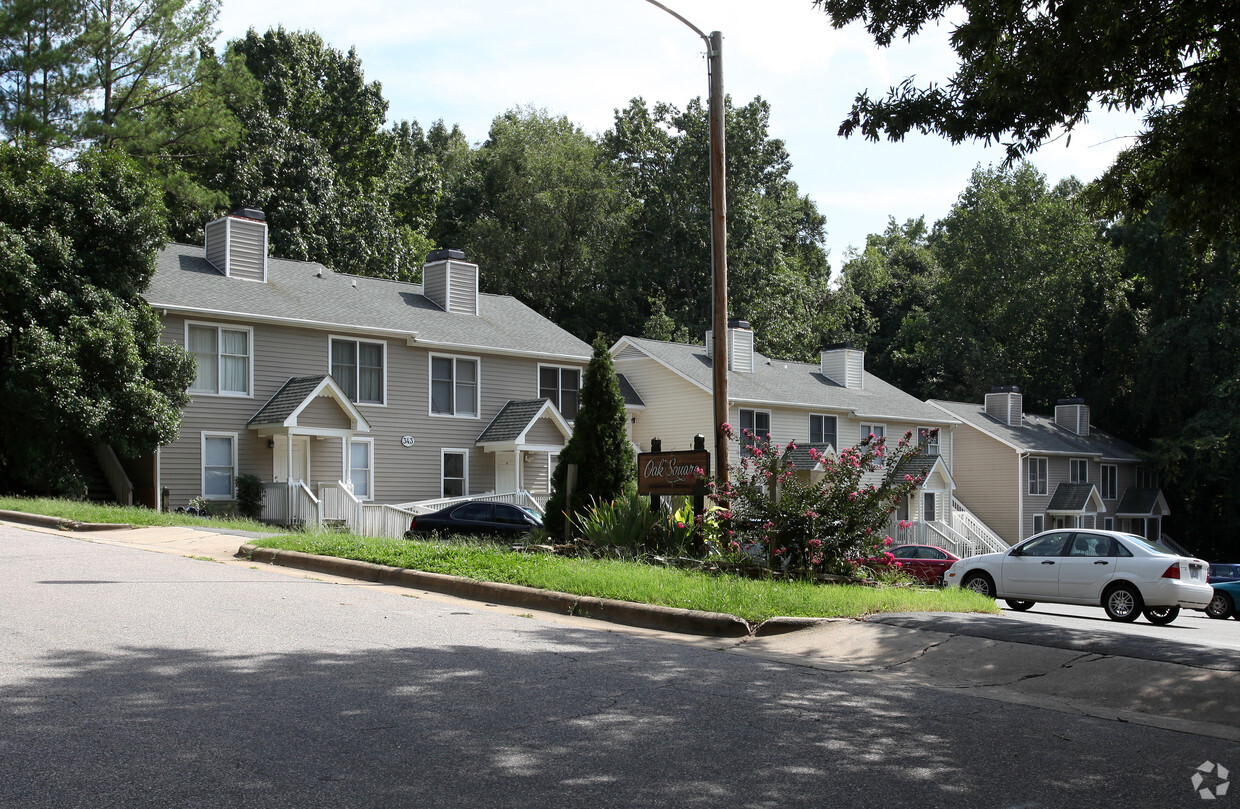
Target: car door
<point>474,518</point>
<point>1087,565</point>
<point>933,563</point>
<point>1031,571</point>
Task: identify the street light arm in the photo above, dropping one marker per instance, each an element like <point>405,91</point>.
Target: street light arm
<point>696,30</point>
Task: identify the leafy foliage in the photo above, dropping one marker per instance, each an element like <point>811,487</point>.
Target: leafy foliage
<point>606,465</point>
<point>80,357</point>
<point>807,525</point>
<point>1029,70</point>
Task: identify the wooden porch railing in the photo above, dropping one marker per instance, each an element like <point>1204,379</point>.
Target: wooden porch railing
<point>118,481</point>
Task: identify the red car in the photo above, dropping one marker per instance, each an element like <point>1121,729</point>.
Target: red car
<point>926,563</point>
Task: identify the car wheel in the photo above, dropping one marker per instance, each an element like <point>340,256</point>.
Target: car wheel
<point>1220,606</point>
<point>1160,615</point>
<point>1122,603</point>
<point>979,583</point>
<point>1019,606</point>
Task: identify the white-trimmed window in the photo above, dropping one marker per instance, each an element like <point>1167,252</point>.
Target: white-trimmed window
<point>222,356</point>
<point>454,472</point>
<point>454,386</point>
<point>562,386</point>
<point>1078,470</point>
<point>1110,481</point>
<point>1108,523</point>
<point>357,366</point>
<point>822,429</point>
<point>1039,523</point>
<point>219,465</point>
<point>876,430</point>
<point>362,467</point>
<point>758,423</point>
<point>1147,478</point>
<point>928,440</point>
<point>1037,475</point>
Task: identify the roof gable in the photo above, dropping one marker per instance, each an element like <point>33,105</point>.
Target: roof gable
<point>514,422</point>
<point>296,394</point>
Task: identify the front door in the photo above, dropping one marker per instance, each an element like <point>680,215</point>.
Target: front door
<point>301,459</point>
<point>280,457</point>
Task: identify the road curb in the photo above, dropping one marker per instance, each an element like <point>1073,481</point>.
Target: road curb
<point>647,616</point>
<point>61,523</point>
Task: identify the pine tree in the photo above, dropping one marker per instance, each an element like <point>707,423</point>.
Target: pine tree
<point>606,466</point>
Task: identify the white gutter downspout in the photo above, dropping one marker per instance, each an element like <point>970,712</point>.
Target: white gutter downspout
<point>1020,497</point>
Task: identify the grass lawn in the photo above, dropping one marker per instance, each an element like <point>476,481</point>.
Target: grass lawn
<point>85,511</point>
<point>632,581</point>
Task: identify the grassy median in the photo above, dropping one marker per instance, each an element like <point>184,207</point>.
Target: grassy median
<point>753,600</point>
<point>86,511</point>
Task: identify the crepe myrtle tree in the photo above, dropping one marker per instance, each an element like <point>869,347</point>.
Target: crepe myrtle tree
<point>819,526</point>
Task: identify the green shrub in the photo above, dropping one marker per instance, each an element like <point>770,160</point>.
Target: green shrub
<point>250,496</point>
<point>624,523</point>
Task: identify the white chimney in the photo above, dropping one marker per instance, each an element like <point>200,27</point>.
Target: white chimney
<point>740,346</point>
<point>451,282</point>
<point>1073,414</point>
<point>844,365</point>
<point>1005,404</point>
<point>236,244</point>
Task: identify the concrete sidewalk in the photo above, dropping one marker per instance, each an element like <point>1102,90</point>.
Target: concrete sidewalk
<point>1167,685</point>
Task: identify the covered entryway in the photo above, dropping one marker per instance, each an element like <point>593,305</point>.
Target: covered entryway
<point>523,437</point>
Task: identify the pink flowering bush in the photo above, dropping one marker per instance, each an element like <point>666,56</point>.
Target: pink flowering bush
<point>823,526</point>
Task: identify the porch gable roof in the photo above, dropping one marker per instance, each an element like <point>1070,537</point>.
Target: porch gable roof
<point>1142,503</point>
<point>512,423</point>
<point>286,404</point>
<point>1075,498</point>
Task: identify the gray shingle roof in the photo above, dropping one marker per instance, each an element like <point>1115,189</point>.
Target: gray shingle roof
<point>1041,434</point>
<point>1138,502</point>
<point>800,457</point>
<point>776,382</point>
<point>512,420</point>
<point>631,399</point>
<point>302,291</point>
<point>287,399</point>
<point>1070,497</point>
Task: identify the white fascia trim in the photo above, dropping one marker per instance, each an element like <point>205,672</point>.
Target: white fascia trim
<point>416,342</point>
<point>283,321</point>
<point>359,422</point>
<point>674,370</point>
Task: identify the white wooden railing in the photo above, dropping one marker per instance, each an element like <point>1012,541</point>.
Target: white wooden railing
<point>291,504</point>
<point>978,533</point>
<point>118,481</point>
<point>340,506</point>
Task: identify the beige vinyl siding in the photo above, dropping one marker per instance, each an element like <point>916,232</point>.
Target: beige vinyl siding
<point>401,474</point>
<point>534,472</point>
<point>676,410</point>
<point>544,433</point>
<point>217,244</point>
<point>987,480</point>
<point>247,250</point>
<point>323,411</point>
<point>463,298</point>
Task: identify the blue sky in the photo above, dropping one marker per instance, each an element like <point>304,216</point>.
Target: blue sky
<point>466,61</point>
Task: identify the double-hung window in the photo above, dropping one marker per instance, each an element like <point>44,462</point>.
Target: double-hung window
<point>1078,470</point>
<point>822,430</point>
<point>1110,481</point>
<point>454,386</point>
<point>222,356</point>
<point>1147,478</point>
<point>758,425</point>
<point>1037,475</point>
<point>876,430</point>
<point>361,468</point>
<point>219,465</point>
<point>357,367</point>
<point>562,386</point>
<point>928,440</point>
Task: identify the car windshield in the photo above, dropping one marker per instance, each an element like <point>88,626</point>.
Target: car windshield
<point>1133,539</point>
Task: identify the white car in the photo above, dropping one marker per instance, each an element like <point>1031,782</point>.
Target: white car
<point>1122,573</point>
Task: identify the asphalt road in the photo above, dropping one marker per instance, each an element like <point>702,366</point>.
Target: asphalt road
<point>135,679</point>
<point>1190,627</point>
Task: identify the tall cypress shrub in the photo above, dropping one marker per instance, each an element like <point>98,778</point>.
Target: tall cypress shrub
<point>606,466</point>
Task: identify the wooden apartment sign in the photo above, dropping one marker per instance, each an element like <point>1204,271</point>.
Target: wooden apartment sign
<point>672,472</point>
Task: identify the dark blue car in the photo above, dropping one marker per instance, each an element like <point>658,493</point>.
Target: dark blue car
<point>1223,572</point>
<point>476,518</point>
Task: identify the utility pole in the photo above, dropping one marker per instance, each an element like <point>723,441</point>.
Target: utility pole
<point>718,242</point>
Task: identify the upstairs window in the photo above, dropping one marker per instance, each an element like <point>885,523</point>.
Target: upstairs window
<point>758,423</point>
<point>1078,470</point>
<point>222,356</point>
<point>454,386</point>
<point>822,430</point>
<point>1110,481</point>
<point>1147,478</point>
<point>928,440</point>
<point>562,386</point>
<point>876,430</point>
<point>357,367</point>
<point>1037,475</point>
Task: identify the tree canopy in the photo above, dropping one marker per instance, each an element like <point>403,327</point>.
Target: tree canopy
<point>1031,70</point>
<point>80,358</point>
